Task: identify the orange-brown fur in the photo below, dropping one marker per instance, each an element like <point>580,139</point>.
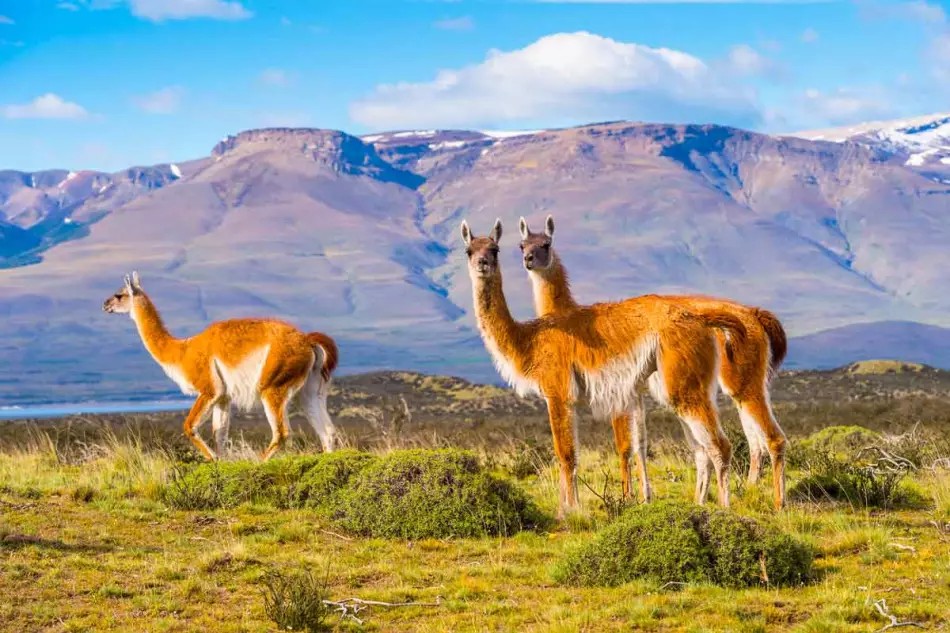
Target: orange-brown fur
<point>612,348</point>
<point>201,365</point>
<point>746,365</point>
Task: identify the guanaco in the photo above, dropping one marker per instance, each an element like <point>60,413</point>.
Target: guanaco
<point>240,362</point>
<point>745,372</point>
<point>607,350</point>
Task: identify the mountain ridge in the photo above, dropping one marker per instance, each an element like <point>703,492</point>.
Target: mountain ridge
<point>356,236</point>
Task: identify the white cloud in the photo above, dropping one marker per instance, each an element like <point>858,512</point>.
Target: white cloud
<point>924,11</point>
<point>276,77</point>
<point>13,43</point>
<point>810,35</point>
<point>561,78</point>
<point>161,10</point>
<point>164,101</point>
<point>938,53</point>
<point>48,106</point>
<point>285,21</point>
<point>67,6</point>
<point>465,23</point>
<point>845,105</point>
<point>748,62</point>
<point>919,10</point>
<point>5,20</point>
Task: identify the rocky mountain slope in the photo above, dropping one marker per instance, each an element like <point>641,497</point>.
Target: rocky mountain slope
<point>358,237</point>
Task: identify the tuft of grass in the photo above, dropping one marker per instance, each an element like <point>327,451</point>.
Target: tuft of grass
<point>670,541</point>
<point>294,601</point>
<point>83,493</point>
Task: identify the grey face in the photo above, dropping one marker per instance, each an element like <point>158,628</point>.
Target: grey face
<point>536,247</point>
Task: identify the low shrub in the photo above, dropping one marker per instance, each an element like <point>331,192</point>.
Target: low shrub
<point>432,494</point>
<point>671,541</point>
<point>211,485</point>
<point>861,483</point>
<point>406,494</point>
<point>295,601</point>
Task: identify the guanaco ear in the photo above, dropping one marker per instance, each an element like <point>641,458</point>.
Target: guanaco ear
<point>549,226</point>
<point>128,284</point>
<point>466,233</point>
<point>523,228</point>
<point>495,234</point>
<point>136,282</point>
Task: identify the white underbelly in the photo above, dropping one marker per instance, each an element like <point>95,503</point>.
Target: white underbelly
<point>241,382</point>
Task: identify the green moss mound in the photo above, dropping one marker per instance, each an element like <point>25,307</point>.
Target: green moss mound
<point>842,441</point>
<point>671,541</point>
<point>433,494</point>
<point>320,486</point>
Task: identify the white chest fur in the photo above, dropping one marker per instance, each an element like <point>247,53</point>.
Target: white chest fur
<point>522,385</point>
<point>178,377</point>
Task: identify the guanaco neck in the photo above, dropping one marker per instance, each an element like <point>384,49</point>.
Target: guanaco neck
<point>494,319</point>
<point>163,347</point>
<point>552,288</point>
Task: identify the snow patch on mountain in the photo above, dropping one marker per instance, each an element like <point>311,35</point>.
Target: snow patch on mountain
<point>921,139</point>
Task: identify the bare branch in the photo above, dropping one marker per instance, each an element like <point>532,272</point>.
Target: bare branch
<point>881,606</point>
<point>672,583</point>
<point>352,607</point>
<point>339,536</point>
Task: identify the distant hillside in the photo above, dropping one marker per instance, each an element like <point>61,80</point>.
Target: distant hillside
<point>359,237</point>
<point>897,340</point>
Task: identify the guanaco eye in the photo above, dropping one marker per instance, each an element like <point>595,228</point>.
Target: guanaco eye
<point>521,246</point>
<point>468,252</point>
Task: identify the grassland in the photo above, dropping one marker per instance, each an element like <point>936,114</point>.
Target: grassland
<point>88,541</point>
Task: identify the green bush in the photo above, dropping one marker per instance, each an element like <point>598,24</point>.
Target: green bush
<point>425,493</point>
<point>212,485</point>
<point>321,484</point>
<point>406,494</point>
<point>671,541</point>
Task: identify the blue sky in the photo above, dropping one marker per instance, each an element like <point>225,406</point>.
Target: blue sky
<point>106,84</point>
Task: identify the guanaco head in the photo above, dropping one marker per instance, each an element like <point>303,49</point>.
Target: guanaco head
<point>121,301</point>
<point>536,247</point>
<point>482,251</point>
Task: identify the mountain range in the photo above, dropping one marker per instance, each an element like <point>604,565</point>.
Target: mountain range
<point>843,233</point>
